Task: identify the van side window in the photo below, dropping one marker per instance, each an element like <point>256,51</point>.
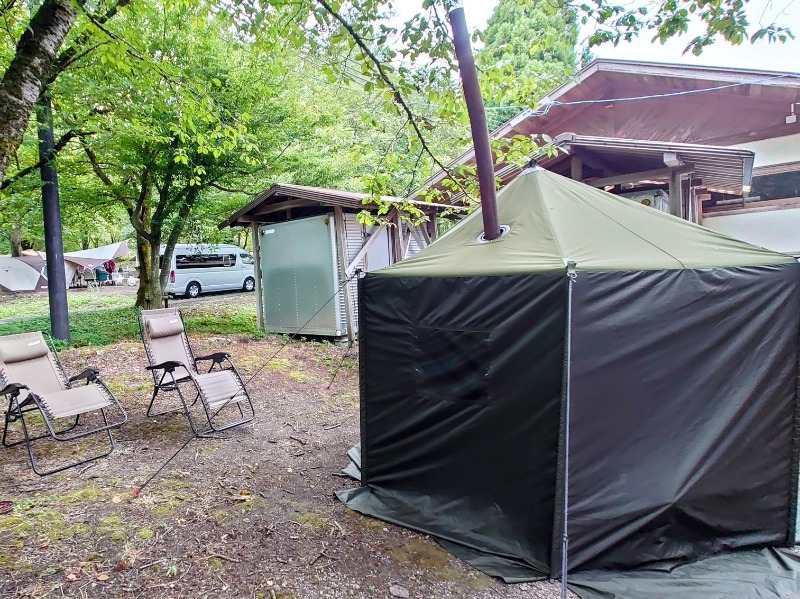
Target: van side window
<point>247,258</point>
<point>184,261</point>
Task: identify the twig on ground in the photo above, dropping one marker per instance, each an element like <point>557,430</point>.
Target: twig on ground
<point>85,469</point>
<point>225,557</point>
<point>155,563</point>
<point>332,426</point>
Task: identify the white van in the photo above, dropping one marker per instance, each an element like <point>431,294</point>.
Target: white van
<point>196,268</point>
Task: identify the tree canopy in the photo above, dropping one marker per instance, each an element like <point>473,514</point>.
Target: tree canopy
<point>530,46</point>
<point>169,115</point>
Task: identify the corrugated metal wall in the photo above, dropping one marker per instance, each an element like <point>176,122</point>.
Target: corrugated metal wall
<point>356,238</point>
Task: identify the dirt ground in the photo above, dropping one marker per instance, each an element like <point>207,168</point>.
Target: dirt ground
<point>249,514</point>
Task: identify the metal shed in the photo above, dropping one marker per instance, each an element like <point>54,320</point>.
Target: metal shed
<point>307,242</point>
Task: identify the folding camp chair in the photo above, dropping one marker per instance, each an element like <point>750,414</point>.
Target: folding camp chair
<point>174,368</point>
<point>32,379</point>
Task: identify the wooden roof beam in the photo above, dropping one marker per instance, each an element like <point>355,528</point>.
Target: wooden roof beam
<point>658,174</point>
<point>279,207</point>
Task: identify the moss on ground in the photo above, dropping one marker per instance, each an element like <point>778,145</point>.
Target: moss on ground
<point>424,555</point>
<point>309,519</point>
<point>301,376</point>
<point>115,528</point>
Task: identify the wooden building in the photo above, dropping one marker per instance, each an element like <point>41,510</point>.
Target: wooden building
<point>308,244</point>
<point>710,121</point>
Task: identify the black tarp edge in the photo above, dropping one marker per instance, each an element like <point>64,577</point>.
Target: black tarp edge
<point>794,474</point>
<point>362,378</point>
<point>511,570</point>
<point>764,574</point>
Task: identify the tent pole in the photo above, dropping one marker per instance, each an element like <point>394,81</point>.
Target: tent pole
<point>477,118</point>
<point>573,276</point>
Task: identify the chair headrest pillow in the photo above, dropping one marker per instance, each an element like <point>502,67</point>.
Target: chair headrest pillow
<point>165,326</point>
<point>20,350</point>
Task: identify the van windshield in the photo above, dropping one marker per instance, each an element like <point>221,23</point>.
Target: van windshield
<point>247,258</point>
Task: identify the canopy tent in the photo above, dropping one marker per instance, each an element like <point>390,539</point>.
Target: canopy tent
<point>98,255</point>
<point>22,274</point>
<point>680,420</point>
<point>28,273</point>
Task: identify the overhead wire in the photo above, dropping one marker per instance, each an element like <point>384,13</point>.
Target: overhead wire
<point>546,106</point>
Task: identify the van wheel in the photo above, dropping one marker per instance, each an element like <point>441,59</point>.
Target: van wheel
<point>249,284</point>
<point>193,289</point>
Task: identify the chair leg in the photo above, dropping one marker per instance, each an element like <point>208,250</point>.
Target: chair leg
<point>188,413</point>
<point>28,444</point>
<point>36,438</point>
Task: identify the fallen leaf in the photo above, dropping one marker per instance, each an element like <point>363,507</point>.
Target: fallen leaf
<point>72,577</point>
<point>245,492</point>
<point>44,545</point>
<point>116,499</point>
<point>103,577</point>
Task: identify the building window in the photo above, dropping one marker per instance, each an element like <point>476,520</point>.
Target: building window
<point>775,186</point>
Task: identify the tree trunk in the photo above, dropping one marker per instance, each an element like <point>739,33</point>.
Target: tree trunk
<point>150,294</point>
<point>26,76</point>
<point>16,241</point>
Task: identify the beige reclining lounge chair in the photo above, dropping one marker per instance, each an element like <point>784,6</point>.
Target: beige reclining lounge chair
<point>174,368</point>
<point>32,379</point>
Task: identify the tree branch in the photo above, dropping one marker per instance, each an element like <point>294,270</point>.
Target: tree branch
<point>398,98</point>
<point>70,55</point>
<point>229,190</point>
<point>98,170</point>
<point>63,141</point>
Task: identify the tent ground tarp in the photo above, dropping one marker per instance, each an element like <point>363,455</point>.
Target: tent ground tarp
<point>764,574</point>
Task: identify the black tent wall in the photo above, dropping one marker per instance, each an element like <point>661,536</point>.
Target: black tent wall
<point>461,386</point>
<point>683,409</point>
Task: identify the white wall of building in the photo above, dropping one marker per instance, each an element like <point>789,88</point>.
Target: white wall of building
<point>777,150</point>
<point>777,230</point>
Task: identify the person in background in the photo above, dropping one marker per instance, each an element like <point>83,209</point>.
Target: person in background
<point>110,267</point>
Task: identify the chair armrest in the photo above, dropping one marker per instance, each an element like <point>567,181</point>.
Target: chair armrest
<point>169,366</point>
<point>217,357</point>
<point>13,389</point>
<point>89,374</point>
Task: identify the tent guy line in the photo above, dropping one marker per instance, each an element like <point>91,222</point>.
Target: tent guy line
<point>196,434</point>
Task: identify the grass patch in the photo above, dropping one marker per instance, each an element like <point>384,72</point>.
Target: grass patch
<point>221,321</point>
<point>115,528</point>
<point>417,553</point>
<point>37,304</point>
<point>86,328</point>
<point>103,327</point>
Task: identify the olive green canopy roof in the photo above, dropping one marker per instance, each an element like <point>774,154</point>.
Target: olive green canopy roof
<point>554,220</point>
